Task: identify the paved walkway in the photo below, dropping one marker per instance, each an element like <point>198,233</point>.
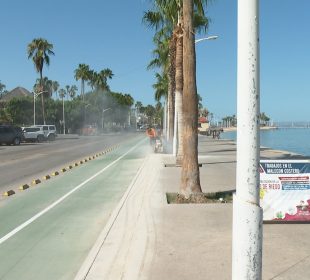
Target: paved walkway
<point>146,238</point>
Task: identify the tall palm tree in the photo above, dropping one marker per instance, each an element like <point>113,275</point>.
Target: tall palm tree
<point>168,15</point>
<point>190,179</point>
<point>82,73</point>
<point>40,50</point>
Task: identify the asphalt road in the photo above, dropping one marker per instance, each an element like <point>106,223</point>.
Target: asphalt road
<point>47,231</point>
<point>21,164</point>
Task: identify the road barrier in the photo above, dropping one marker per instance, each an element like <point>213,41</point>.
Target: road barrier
<point>56,173</point>
<point>9,193</point>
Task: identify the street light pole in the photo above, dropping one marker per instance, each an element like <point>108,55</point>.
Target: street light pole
<point>34,108</point>
<point>247,214</point>
<point>103,110</point>
<point>63,115</point>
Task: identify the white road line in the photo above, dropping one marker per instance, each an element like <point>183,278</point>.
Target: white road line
<point>35,217</point>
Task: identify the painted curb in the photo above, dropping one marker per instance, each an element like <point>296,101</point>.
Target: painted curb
<point>36,182</point>
<point>9,193</point>
<point>24,187</point>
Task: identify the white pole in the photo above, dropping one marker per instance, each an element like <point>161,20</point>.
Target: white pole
<point>247,214</point>
<point>175,132</point>
<point>63,114</point>
<point>34,108</point>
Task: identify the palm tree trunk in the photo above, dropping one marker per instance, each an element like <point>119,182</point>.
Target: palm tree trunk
<point>82,89</point>
<point>190,179</point>
<point>179,93</point>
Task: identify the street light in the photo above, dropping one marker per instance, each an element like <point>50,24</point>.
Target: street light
<point>206,38</point>
<point>103,110</point>
<point>35,94</point>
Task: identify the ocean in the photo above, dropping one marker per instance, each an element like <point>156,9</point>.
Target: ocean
<point>296,140</point>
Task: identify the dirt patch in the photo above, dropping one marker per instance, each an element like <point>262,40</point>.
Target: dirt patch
<point>217,197</point>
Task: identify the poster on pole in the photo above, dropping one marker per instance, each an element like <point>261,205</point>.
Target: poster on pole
<point>285,190</point>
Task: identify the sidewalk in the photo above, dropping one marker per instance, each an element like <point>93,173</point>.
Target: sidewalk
<point>148,239</point>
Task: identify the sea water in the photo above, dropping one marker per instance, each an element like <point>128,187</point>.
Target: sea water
<point>296,140</point>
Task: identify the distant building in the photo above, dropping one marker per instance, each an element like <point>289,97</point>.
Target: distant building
<point>16,92</point>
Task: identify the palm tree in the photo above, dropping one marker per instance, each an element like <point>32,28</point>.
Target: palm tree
<point>82,73</point>
<point>39,50</point>
<point>55,87</point>
<point>170,15</point>
<point>72,91</point>
<point>101,79</point>
<point>190,179</point>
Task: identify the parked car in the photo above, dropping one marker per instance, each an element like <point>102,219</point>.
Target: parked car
<point>49,131</point>
<point>33,134</point>
<point>10,135</point>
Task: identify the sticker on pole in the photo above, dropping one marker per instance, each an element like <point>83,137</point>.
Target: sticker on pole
<point>285,190</point>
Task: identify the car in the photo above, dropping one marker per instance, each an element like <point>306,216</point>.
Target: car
<point>10,134</point>
<point>49,131</point>
<point>33,134</point>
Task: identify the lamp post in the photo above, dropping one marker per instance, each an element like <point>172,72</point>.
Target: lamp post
<point>103,110</point>
<point>175,133</point>
<point>35,94</point>
<point>63,114</point>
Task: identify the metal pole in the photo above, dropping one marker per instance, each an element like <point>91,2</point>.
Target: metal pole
<point>34,108</point>
<point>63,114</point>
<point>247,214</point>
<point>175,133</point>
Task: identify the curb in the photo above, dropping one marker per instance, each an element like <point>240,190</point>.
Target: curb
<point>89,261</point>
<point>8,193</point>
<point>63,170</point>
<point>36,182</point>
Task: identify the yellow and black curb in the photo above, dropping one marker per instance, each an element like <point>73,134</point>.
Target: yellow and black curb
<point>56,173</point>
<point>36,182</point>
<point>24,187</point>
<point>9,193</point>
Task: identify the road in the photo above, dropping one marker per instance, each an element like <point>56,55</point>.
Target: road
<point>20,164</point>
<point>48,230</point>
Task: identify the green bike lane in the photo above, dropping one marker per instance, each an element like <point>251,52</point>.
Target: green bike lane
<point>71,211</point>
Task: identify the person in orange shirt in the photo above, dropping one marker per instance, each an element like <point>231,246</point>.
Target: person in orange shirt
<point>151,133</point>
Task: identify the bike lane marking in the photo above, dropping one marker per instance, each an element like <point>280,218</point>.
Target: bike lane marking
<point>38,215</point>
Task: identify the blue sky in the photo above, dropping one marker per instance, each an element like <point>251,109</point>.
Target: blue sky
<point>111,34</point>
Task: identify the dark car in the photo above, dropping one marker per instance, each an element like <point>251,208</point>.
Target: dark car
<point>10,135</point>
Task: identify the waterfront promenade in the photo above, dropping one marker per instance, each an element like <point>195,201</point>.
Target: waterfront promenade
<point>146,238</point>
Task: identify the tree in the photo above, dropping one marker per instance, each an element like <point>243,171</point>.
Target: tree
<point>169,16</point>
<point>55,87</point>
<point>72,91</point>
<point>82,73</point>
<point>39,50</point>
<point>2,89</point>
<point>190,179</point>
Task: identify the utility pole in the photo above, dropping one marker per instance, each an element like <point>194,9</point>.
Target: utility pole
<point>247,214</point>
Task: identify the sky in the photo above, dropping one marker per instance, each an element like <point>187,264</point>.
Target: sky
<point>110,34</point>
